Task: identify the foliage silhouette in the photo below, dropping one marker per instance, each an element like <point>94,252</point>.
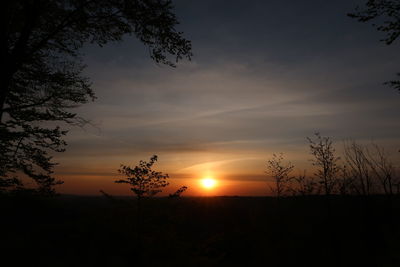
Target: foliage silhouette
<point>386,12</point>
<point>42,78</point>
<point>387,15</point>
<point>178,192</point>
<point>144,181</point>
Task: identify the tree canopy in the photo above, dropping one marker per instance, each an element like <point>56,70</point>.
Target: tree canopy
<point>385,15</point>
<point>144,181</point>
<point>42,71</point>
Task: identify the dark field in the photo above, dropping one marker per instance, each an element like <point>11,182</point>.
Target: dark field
<point>220,231</point>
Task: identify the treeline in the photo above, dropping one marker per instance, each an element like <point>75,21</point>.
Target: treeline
<point>360,170</point>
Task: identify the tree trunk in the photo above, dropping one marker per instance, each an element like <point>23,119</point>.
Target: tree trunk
<point>138,230</point>
<point>5,87</point>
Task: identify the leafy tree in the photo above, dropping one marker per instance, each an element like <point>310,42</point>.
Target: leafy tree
<point>144,181</point>
<point>42,71</point>
<point>325,161</point>
<point>280,174</point>
<point>386,12</point>
<point>178,192</point>
<point>386,15</point>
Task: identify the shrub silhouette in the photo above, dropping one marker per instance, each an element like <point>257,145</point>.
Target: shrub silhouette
<point>304,185</point>
<point>178,192</point>
<point>370,169</point>
<point>144,182</point>
<point>321,147</point>
<point>363,170</point>
<point>280,173</point>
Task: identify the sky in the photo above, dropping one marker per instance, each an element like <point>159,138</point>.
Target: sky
<point>264,76</point>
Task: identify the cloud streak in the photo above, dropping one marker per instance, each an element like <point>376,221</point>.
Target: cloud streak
<point>265,75</point>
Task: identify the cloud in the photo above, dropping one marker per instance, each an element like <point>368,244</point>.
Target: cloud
<point>265,75</point>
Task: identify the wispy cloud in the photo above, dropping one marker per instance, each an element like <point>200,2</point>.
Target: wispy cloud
<point>261,81</point>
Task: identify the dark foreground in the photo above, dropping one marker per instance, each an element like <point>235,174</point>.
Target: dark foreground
<point>221,231</point>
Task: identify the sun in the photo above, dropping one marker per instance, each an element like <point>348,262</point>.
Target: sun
<point>208,182</point>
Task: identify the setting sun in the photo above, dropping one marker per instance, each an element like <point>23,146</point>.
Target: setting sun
<point>208,183</point>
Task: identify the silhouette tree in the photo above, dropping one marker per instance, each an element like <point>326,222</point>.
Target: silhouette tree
<point>304,185</point>
<point>346,183</point>
<point>371,169</point>
<point>358,167</point>
<point>386,12</point>
<point>322,149</point>
<point>42,71</point>
<point>384,170</point>
<point>178,192</point>
<point>144,181</point>
<point>386,15</point>
<point>280,173</point>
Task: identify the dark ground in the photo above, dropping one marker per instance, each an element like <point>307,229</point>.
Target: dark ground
<point>220,231</point>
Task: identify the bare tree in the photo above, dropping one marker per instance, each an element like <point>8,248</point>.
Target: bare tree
<point>345,181</point>
<point>304,185</point>
<point>383,169</point>
<point>322,149</point>
<point>358,167</point>
<point>370,167</point>
<point>280,173</point>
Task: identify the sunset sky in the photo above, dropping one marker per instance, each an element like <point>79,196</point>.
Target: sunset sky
<point>264,76</point>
